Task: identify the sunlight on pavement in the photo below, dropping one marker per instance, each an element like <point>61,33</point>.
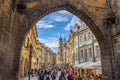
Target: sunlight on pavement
<point>32,78</point>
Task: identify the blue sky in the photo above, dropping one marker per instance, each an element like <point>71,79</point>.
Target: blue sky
<point>51,26</point>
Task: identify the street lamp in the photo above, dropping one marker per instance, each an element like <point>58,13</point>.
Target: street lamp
<point>93,48</point>
<point>30,47</point>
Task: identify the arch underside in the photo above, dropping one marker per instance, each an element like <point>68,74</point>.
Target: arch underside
<point>14,27</point>
<point>37,14</point>
<point>32,15</point>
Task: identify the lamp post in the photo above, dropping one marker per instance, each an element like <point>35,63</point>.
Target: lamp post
<point>30,56</point>
<point>93,48</point>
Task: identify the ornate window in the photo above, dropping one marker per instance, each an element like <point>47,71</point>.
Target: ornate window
<point>81,53</point>
<point>84,25</point>
<point>89,35</point>
<point>84,37</point>
<point>90,52</point>
<point>85,53</point>
<point>97,51</point>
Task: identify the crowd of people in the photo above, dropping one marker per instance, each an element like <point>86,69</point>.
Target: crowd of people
<point>56,73</point>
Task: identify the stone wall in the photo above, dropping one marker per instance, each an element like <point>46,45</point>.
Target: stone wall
<point>14,26</point>
<point>117,54</point>
<point>9,21</point>
<point>7,40</point>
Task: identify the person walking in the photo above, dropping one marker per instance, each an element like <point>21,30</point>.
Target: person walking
<point>47,77</point>
<point>41,75</point>
<point>53,75</point>
<point>71,74</point>
<point>79,76</point>
<point>76,76</point>
<point>62,76</point>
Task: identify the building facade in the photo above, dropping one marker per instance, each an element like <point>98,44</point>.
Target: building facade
<point>60,51</point>
<point>42,56</point>
<point>39,54</point>
<point>81,46</point>
<point>25,52</point>
<point>47,56</point>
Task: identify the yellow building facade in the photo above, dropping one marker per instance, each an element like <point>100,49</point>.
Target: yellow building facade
<point>39,54</point>
<point>46,56</point>
<point>24,60</point>
<point>68,53</point>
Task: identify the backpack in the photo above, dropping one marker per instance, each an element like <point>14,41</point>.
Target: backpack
<point>70,77</point>
<point>62,78</point>
<point>53,75</point>
<point>47,78</point>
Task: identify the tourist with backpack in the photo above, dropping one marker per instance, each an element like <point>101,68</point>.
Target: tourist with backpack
<point>47,77</point>
<point>41,75</point>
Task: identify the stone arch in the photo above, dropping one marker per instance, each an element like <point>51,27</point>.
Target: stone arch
<point>33,17</point>
<point>80,13</point>
<point>14,27</point>
<point>34,14</point>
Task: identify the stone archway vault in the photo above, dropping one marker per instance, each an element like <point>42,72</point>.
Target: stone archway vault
<point>20,19</point>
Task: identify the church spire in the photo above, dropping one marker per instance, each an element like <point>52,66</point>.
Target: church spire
<point>64,41</point>
<point>60,39</point>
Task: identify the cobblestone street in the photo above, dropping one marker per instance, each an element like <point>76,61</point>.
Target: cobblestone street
<point>32,78</point>
<point>36,78</point>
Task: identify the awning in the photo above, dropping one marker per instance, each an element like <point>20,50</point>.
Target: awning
<point>86,65</point>
<point>97,64</point>
<point>89,65</point>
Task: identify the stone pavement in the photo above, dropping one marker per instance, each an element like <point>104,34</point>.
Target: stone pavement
<point>36,78</point>
<point>32,78</point>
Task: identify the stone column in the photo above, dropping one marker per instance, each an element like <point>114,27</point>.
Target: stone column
<point>107,54</point>
<point>117,55</point>
<point>8,31</point>
<point>116,45</point>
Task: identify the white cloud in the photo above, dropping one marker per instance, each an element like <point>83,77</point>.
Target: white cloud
<point>60,19</point>
<point>51,42</point>
<point>68,27</point>
<point>57,35</point>
<point>64,12</point>
<point>44,24</point>
<point>75,20</point>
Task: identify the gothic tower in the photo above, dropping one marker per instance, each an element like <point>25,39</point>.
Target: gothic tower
<point>60,45</point>
<point>60,50</point>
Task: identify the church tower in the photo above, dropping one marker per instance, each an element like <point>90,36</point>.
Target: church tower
<point>60,45</point>
<point>60,50</point>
